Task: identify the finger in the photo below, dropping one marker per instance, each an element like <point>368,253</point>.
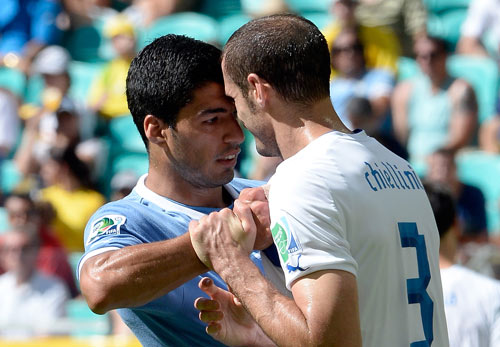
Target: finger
<point>213,328</point>
<point>244,213</point>
<point>211,316</point>
<point>252,194</point>
<point>204,304</point>
<point>208,286</point>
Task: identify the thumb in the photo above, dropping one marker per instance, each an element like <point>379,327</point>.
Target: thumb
<point>208,286</point>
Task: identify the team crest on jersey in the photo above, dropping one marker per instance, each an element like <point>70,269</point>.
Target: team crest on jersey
<point>287,244</point>
<point>106,225</point>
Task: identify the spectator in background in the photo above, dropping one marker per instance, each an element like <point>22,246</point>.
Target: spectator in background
<point>88,12</point>
<point>480,32</point>
<point>360,113</point>
<point>69,191</point>
<point>59,120</point>
<point>354,79</point>
<point>470,200</point>
<point>380,45</point>
<point>107,93</point>
<point>122,184</point>
<point>407,18</point>
<point>52,258</point>
<point>27,26</point>
<point>143,13</point>
<point>433,110</point>
<point>31,301</point>
<point>472,301</point>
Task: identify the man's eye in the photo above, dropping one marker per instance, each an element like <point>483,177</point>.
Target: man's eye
<point>211,120</point>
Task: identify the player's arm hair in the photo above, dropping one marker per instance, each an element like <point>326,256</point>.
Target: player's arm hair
<point>135,275</point>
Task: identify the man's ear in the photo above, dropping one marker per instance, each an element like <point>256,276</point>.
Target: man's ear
<point>155,130</point>
<point>259,88</point>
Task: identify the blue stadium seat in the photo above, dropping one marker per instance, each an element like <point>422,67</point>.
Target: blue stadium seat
<point>229,24</point>
<point>446,25</point>
<point>124,135</point>
<point>301,6</point>
<point>13,80</point>
<point>82,74</point>
<point>483,170</point>
<point>10,177</point>
<point>83,322</point>
<point>84,43</point>
<point>135,162</point>
<point>320,19</point>
<point>192,24</point>
<point>436,6</point>
<point>220,8</point>
<point>482,74</point>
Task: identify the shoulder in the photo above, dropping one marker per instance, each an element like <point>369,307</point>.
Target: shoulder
<point>241,183</point>
<point>460,87</point>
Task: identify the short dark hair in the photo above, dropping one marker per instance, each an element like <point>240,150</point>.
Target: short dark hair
<point>286,50</point>
<point>443,205</point>
<point>163,76</point>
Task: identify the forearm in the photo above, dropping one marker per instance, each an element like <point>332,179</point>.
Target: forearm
<point>278,316</point>
<point>135,275</point>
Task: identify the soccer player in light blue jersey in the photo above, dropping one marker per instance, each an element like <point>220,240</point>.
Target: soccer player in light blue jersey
<point>138,258</point>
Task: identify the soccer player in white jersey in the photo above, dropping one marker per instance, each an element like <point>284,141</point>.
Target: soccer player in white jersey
<point>357,240</point>
<point>471,300</point>
<point>138,258</point>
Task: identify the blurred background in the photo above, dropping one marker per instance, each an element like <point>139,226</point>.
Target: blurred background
<point>421,76</point>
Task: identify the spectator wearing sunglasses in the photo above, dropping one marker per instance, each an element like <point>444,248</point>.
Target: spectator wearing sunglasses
<point>433,110</point>
<point>355,79</point>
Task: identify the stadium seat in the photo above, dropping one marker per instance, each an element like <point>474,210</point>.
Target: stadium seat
<point>83,322</point>
<point>124,135</point>
<point>229,24</point>
<point>446,25</point>
<point>82,74</point>
<point>481,73</point>
<point>13,80</point>
<point>483,170</point>
<point>192,24</point>
<point>301,6</point>
<point>84,43</point>
<point>436,6</point>
<point>10,177</point>
<point>220,8</point>
<point>320,19</point>
<point>136,162</point>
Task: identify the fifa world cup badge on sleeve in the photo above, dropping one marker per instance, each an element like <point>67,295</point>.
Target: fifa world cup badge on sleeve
<point>107,225</point>
<point>287,244</point>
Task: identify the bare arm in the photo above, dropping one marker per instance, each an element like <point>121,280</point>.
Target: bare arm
<point>135,275</point>
<point>471,46</point>
<point>325,306</point>
<point>400,99</point>
<point>464,115</point>
<point>489,135</point>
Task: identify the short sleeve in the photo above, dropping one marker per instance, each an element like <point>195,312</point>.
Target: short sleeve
<point>308,227</point>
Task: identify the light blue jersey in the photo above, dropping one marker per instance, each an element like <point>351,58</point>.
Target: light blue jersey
<point>145,217</point>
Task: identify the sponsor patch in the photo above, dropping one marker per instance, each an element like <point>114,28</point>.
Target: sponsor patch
<point>107,225</point>
<point>284,239</point>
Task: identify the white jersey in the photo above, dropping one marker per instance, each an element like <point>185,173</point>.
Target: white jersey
<point>345,202</point>
<point>472,306</point>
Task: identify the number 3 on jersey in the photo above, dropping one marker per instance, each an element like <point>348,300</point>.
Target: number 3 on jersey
<point>417,293</point>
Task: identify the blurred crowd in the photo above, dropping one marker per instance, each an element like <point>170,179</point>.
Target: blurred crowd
<point>419,75</point>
